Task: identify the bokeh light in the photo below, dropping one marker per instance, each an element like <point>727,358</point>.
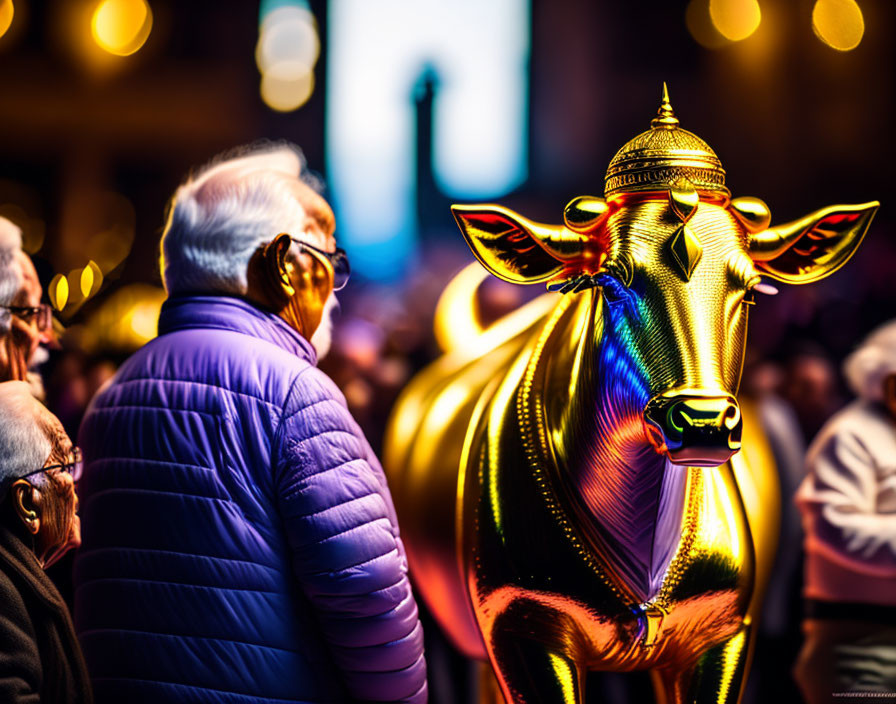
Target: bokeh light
<point>91,279</point>
<point>58,292</point>
<point>288,47</point>
<point>7,11</point>
<point>285,89</point>
<point>287,34</point>
<point>838,23</point>
<point>124,321</point>
<point>121,27</point>
<point>700,25</point>
<point>735,19</point>
<point>86,281</point>
<point>144,320</point>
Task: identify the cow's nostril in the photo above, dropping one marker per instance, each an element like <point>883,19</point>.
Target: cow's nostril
<point>676,418</point>
<point>732,416</point>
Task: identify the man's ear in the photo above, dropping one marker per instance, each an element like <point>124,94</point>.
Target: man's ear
<point>26,508</point>
<point>277,282</point>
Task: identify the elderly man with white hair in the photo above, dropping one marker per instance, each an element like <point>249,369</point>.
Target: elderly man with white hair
<point>848,502</point>
<point>240,542</point>
<point>25,322</point>
<point>40,660</point>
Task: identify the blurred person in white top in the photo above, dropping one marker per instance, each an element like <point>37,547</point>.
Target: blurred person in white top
<point>848,505</point>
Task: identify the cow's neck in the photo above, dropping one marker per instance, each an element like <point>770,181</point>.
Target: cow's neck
<point>629,498</point>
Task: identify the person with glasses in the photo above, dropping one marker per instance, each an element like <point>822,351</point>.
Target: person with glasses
<point>243,545</point>
<point>40,659</point>
<point>25,322</point>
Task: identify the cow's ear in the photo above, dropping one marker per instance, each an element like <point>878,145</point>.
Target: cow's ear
<point>812,247</point>
<point>514,248</point>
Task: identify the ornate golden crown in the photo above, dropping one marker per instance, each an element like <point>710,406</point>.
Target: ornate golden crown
<point>656,159</point>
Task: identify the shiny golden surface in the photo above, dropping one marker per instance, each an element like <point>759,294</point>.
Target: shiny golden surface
<point>606,517</point>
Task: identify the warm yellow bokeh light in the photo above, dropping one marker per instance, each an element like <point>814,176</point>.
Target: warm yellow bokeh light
<point>838,23</point>
<point>91,279</point>
<point>700,25</point>
<point>144,320</point>
<point>58,291</point>
<point>96,278</point>
<point>6,14</point>
<point>735,19</point>
<point>283,88</point>
<point>86,281</point>
<point>121,27</point>
<point>125,320</point>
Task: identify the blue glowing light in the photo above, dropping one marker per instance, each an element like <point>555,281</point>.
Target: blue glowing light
<point>377,51</point>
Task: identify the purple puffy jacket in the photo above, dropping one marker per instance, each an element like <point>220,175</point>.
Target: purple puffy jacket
<point>239,539</point>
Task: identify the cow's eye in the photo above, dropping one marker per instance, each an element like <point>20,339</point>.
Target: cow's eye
<point>613,290</point>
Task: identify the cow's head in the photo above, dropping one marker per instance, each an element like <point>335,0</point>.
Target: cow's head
<point>676,270</point>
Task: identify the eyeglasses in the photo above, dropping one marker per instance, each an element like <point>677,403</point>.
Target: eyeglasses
<point>41,315</point>
<point>338,260</point>
<point>75,467</point>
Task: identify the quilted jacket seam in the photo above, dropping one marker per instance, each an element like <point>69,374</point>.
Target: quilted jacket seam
<point>183,554</point>
<point>351,567</point>
<point>365,524</point>
<point>194,382</point>
<point>404,600</point>
<point>141,490</point>
<point>297,488</point>
<point>187,636</point>
<point>163,409</point>
<point>144,460</point>
<point>301,516</point>
<point>292,389</point>
<point>143,580</point>
<point>390,672</point>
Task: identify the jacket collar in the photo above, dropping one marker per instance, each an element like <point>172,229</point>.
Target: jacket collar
<point>27,574</point>
<point>230,313</point>
<point>18,556</point>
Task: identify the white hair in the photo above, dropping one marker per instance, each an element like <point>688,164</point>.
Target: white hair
<point>220,216</point>
<point>867,368</point>
<point>10,270</point>
<point>25,427</point>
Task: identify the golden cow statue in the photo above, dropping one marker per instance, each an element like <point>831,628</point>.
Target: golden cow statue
<point>604,518</point>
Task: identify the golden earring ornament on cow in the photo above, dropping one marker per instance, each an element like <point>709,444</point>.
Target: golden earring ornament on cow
<point>616,502</point>
<point>752,213</point>
<point>584,213</point>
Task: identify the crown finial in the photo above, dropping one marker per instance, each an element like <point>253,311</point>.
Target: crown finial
<point>664,156</point>
<point>665,117</point>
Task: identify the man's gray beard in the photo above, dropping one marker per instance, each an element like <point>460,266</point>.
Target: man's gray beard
<point>323,336</point>
<point>33,376</point>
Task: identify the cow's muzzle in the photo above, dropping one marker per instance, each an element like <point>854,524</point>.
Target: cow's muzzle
<point>694,429</point>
